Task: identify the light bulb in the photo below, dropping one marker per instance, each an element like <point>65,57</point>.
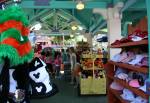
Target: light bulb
<point>74,27</point>
<point>80,6</point>
<point>71,36</point>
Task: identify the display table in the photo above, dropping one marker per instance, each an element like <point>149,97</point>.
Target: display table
<point>95,83</point>
<point>91,86</point>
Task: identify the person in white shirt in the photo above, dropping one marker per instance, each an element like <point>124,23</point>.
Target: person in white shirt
<point>73,63</point>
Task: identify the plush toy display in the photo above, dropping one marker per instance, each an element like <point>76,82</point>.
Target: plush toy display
<point>16,73</point>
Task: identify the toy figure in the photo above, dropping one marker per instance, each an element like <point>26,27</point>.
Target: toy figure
<point>15,54</point>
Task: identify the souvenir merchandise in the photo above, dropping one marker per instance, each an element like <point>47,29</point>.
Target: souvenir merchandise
<point>130,67</point>
<point>143,62</point>
<point>40,81</point>
<point>122,76</point>
<point>16,52</point>
<point>134,83</point>
<point>138,35</point>
<point>143,88</point>
<point>15,57</point>
<point>116,58</point>
<point>137,59</point>
<point>128,95</point>
<point>92,79</point>
<point>139,99</point>
<point>130,57</point>
<point>116,86</point>
<point>123,56</point>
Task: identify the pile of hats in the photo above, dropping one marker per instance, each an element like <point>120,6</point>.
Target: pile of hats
<point>136,36</point>
<point>133,57</point>
<point>129,96</point>
<point>136,80</point>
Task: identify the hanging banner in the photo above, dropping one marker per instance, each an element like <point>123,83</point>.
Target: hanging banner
<point>42,2</point>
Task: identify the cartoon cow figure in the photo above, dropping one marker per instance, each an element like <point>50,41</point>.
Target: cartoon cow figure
<point>40,79</point>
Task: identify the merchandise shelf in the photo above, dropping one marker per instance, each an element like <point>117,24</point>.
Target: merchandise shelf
<point>136,43</point>
<point>130,67</point>
<point>134,90</point>
<point>117,95</point>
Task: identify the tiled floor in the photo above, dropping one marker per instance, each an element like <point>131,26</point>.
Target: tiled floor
<point>68,94</point>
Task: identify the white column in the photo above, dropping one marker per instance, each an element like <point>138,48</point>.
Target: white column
<point>114,28</point>
<point>113,19</point>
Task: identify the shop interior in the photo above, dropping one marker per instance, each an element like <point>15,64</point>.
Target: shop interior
<point>94,51</point>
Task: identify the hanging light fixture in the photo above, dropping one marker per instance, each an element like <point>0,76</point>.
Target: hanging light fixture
<point>80,5</point>
<point>74,26</point>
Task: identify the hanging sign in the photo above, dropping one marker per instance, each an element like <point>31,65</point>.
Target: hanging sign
<point>42,2</point>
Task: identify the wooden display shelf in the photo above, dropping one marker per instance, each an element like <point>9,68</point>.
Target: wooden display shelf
<point>117,95</point>
<point>136,43</point>
<point>134,90</point>
<point>109,76</point>
<point>130,67</point>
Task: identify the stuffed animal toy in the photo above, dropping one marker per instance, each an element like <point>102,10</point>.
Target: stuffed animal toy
<point>15,53</point>
<point>16,73</point>
<point>40,80</point>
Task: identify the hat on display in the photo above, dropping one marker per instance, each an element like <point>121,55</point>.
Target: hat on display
<point>138,76</point>
<point>138,35</point>
<point>120,70</point>
<point>139,99</point>
<point>116,86</point>
<point>137,59</point>
<point>134,83</point>
<point>143,62</point>
<point>116,57</point>
<point>127,95</point>
<point>143,88</point>
<point>125,40</point>
<point>123,56</point>
<point>122,76</point>
<point>130,57</point>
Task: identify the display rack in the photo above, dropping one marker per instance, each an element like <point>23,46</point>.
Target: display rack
<point>114,95</point>
<point>92,85</point>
